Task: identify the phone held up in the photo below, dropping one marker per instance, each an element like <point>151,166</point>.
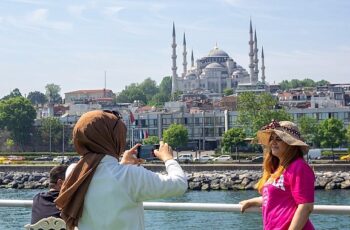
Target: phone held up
<point>146,151</point>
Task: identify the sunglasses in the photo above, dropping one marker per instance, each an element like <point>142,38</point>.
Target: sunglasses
<point>115,113</point>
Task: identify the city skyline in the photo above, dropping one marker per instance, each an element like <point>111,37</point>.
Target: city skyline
<point>73,44</point>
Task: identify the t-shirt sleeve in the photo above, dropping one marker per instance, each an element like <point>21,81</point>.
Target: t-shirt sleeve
<point>302,182</point>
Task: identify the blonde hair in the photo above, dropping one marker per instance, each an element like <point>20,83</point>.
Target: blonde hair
<point>273,167</point>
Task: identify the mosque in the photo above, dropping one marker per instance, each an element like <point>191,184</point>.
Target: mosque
<point>218,71</point>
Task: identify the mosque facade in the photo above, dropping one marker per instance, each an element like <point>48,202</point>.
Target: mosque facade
<point>217,71</point>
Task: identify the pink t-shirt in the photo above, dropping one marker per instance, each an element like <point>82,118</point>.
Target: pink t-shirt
<point>281,197</point>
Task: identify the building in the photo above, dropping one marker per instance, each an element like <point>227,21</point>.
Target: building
<point>217,71</point>
<point>207,127</point>
<point>89,96</point>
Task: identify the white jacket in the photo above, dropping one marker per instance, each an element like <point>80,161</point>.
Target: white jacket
<point>116,192</point>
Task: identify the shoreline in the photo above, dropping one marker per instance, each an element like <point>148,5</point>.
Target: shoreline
<point>228,177</point>
<point>186,167</point>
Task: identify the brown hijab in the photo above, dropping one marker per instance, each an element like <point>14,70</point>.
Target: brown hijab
<point>96,134</point>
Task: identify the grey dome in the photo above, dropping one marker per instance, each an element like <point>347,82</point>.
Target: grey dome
<point>216,52</point>
<point>214,65</point>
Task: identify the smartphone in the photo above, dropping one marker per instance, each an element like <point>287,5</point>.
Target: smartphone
<point>146,151</point>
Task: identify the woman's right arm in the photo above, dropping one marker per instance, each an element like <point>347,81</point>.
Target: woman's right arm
<point>149,185</point>
<point>254,202</point>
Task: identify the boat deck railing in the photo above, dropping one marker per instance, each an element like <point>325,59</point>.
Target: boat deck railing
<point>200,207</point>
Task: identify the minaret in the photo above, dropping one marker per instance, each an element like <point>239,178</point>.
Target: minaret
<point>256,60</point>
<point>192,59</point>
<point>174,68</point>
<point>251,53</point>
<point>262,66</point>
<point>184,57</point>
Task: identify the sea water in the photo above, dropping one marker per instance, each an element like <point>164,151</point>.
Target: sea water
<point>16,218</point>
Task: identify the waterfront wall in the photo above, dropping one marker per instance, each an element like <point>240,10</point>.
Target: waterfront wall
<point>227,178</point>
<point>187,167</point>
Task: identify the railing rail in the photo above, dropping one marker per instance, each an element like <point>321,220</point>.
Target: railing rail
<point>202,207</point>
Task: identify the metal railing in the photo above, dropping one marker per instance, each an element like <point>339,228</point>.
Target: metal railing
<point>201,207</point>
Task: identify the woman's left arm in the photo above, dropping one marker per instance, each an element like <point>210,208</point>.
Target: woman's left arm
<point>301,216</point>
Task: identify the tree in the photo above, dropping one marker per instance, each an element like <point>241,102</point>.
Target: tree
<point>308,83</point>
<point>176,135</point>
<point>17,116</point>
<point>233,138</point>
<point>51,131</point>
<point>53,93</point>
<point>331,133</point>
<point>348,137</point>
<point>14,93</point>
<point>151,140</point>
<point>309,129</point>
<point>257,110</point>
<point>149,88</point>
<point>228,92</point>
<point>37,98</point>
<point>132,93</point>
<point>165,86</point>
<point>322,83</point>
<point>9,144</point>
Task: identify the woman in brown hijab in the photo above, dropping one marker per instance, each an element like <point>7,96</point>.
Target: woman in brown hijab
<point>103,193</point>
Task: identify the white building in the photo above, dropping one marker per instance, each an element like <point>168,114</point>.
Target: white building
<point>216,71</point>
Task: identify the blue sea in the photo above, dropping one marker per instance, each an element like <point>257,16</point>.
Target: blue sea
<point>16,218</point>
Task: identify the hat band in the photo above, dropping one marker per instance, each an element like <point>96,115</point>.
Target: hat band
<point>274,125</point>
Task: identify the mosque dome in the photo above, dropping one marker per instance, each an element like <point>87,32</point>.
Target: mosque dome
<point>216,52</point>
<point>214,65</point>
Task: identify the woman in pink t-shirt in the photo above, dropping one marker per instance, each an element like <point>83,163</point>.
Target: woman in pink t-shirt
<point>287,183</point>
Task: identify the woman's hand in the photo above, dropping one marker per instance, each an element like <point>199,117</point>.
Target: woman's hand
<point>164,152</point>
<point>129,157</point>
<point>254,202</point>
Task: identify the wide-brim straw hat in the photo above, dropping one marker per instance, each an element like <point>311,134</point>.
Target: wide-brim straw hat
<point>286,130</point>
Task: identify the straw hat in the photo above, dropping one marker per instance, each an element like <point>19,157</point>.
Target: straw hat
<point>286,130</point>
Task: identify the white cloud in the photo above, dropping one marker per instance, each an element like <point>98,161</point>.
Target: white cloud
<point>39,19</point>
<point>33,2</point>
<point>76,10</point>
<point>38,16</point>
<point>112,10</point>
<point>232,2</point>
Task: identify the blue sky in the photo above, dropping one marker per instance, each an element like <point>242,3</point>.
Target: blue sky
<point>72,43</point>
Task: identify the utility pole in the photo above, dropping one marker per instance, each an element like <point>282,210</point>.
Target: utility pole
<point>50,134</point>
<point>63,138</point>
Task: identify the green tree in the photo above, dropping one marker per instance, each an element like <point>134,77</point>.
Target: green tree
<point>165,86</point>
<point>257,110</point>
<point>176,135</point>
<point>17,116</point>
<point>331,133</point>
<point>348,137</point>
<point>322,83</point>
<point>51,131</point>
<point>37,98</point>
<point>149,88</point>
<point>159,99</point>
<point>233,137</point>
<point>151,140</point>
<point>9,144</point>
<point>228,92</point>
<point>308,83</point>
<point>131,93</point>
<point>14,93</point>
<point>309,129</point>
<point>53,93</point>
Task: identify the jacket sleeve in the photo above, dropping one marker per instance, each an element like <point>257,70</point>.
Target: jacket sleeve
<point>147,185</point>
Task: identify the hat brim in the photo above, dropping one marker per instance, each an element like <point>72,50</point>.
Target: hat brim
<point>264,139</point>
